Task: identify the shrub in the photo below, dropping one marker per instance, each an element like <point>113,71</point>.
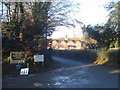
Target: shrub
<point>102,57</point>
<point>103,48</point>
<point>110,57</point>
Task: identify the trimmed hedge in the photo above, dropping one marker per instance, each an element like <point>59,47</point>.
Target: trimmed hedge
<point>110,57</point>
<point>85,55</point>
<point>114,57</point>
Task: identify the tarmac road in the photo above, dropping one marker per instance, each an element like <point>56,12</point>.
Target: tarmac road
<point>70,74</point>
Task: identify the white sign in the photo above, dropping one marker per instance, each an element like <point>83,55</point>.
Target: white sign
<point>38,58</point>
<point>24,71</point>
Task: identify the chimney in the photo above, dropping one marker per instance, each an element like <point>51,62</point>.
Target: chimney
<point>66,38</point>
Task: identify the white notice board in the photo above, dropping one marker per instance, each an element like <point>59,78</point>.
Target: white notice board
<point>24,71</point>
<point>38,58</point>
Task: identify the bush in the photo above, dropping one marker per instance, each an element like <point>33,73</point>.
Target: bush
<point>103,48</point>
<point>102,57</point>
<point>109,57</point>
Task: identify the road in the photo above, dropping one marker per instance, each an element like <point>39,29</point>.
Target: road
<point>70,74</point>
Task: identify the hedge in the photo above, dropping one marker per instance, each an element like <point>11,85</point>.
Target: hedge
<point>84,55</point>
<point>110,57</point>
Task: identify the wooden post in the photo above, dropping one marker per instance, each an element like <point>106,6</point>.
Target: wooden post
<point>34,63</point>
<point>28,65</point>
<point>43,64</point>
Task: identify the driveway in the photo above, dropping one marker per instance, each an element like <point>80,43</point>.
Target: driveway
<point>70,74</point>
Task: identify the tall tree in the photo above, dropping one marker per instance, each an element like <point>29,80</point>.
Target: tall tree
<point>113,24</point>
<point>107,35</point>
<point>30,20</point>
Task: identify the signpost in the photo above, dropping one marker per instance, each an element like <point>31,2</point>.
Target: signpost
<point>39,58</point>
<point>17,57</point>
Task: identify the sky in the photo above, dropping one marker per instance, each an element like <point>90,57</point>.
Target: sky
<point>91,12</point>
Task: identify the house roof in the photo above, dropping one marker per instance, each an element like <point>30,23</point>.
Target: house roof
<point>75,40</point>
<point>67,40</point>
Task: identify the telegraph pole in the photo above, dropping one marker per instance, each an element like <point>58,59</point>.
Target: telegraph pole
<point>2,7</point>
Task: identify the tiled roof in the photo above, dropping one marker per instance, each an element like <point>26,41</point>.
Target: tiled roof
<point>75,40</point>
<point>67,40</point>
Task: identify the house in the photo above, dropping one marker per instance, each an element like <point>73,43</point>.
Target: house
<point>68,44</point>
